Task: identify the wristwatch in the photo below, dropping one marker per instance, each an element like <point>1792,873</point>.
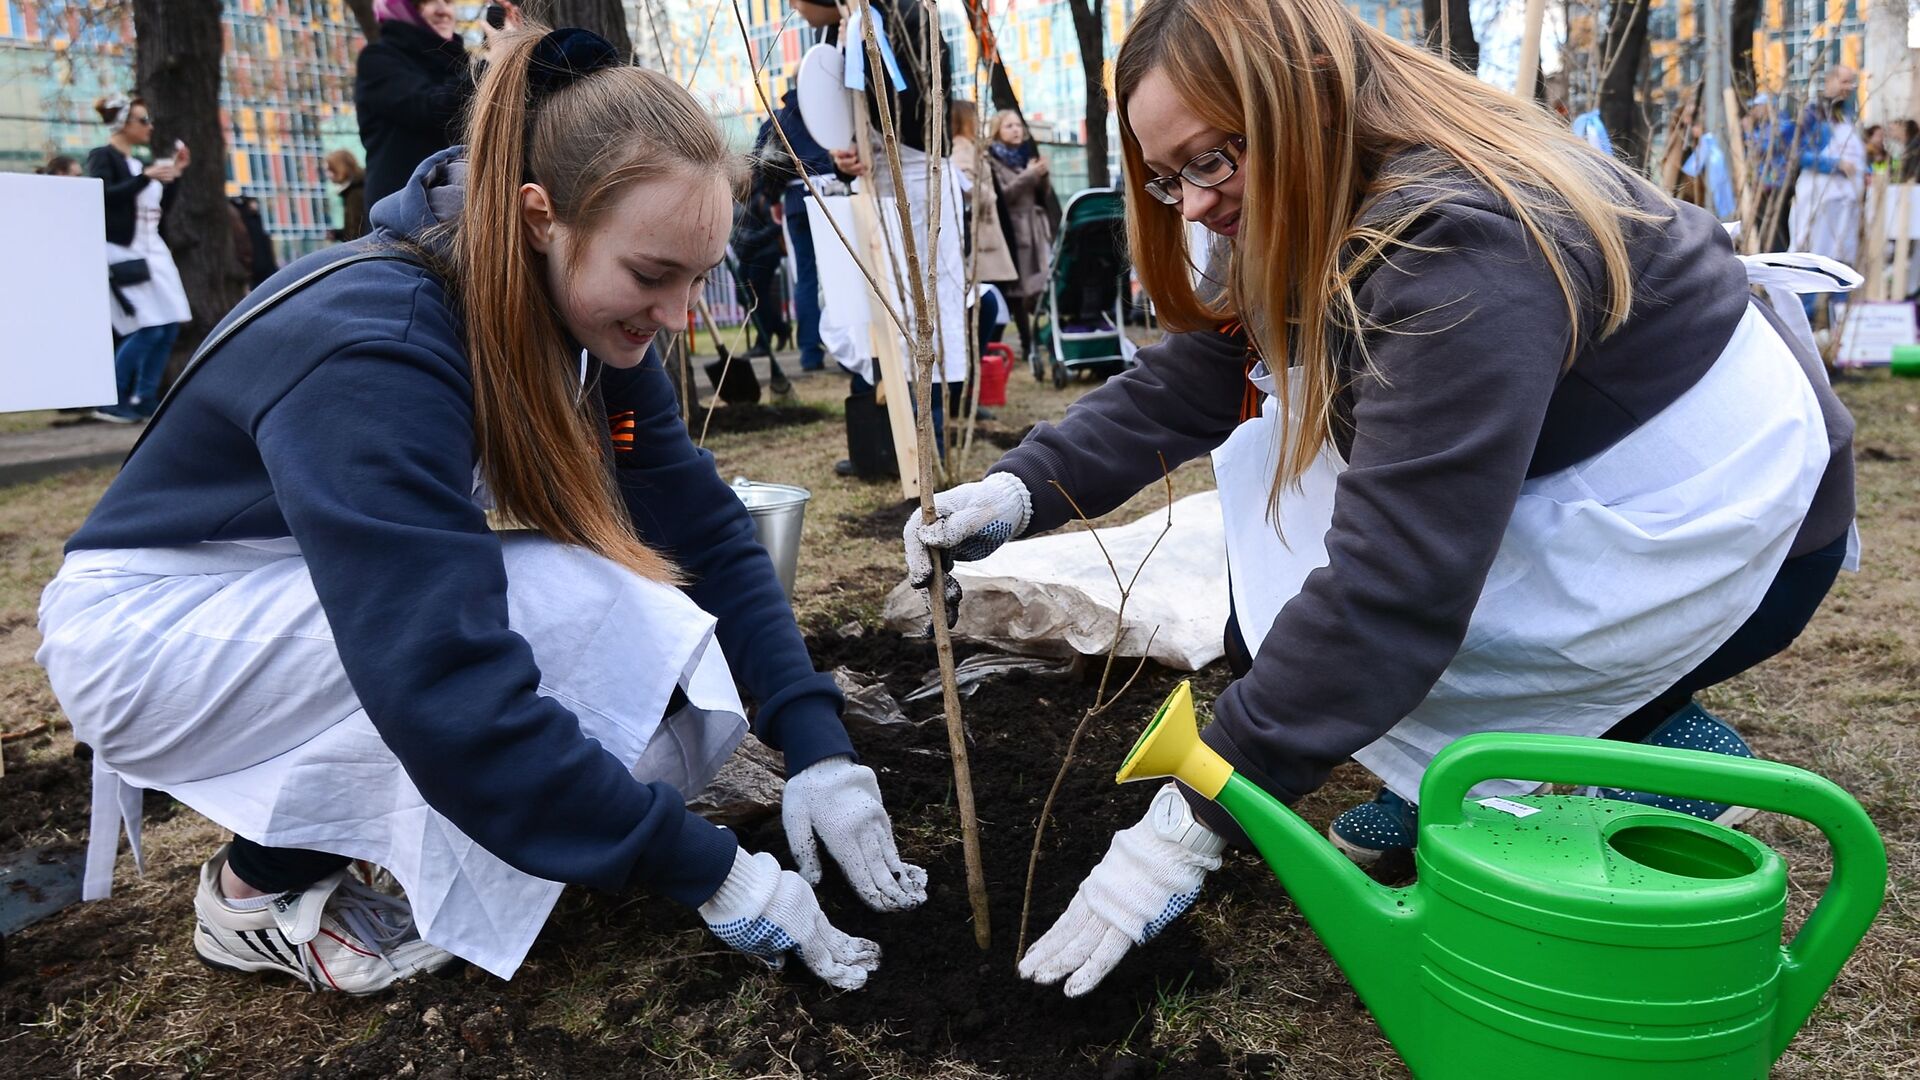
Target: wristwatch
<point>1172,820</point>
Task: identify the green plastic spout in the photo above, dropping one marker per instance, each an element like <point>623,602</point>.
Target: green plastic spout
<point>1370,929</point>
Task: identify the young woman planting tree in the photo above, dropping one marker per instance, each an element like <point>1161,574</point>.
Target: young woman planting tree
<point>290,611</point>
<point>1503,441</point>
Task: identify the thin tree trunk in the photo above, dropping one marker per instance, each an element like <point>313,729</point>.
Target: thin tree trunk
<point>1745,16</point>
<point>369,23</point>
<point>1450,32</point>
<point>608,18</point>
<point>1089,26</point>
<point>179,45</point>
<point>1626,52</point>
<point>999,86</point>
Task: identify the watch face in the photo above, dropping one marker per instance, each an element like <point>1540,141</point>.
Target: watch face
<point>1170,814</point>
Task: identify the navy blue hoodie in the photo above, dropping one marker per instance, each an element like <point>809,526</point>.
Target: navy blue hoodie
<point>344,419</point>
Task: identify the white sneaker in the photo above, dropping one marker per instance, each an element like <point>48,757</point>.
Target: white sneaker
<point>336,934</point>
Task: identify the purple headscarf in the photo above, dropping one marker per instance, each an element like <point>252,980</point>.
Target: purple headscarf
<point>398,11</point>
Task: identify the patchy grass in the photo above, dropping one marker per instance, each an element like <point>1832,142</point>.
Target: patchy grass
<point>616,970</point>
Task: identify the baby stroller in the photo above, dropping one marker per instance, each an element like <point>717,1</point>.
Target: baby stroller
<point>1079,324</point>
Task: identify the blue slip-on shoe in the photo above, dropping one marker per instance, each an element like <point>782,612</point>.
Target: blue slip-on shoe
<point>1692,728</point>
<point>1373,830</point>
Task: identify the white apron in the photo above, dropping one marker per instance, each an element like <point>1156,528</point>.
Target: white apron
<point>1825,216</point>
<point>847,320</point>
<point>210,672</point>
<point>160,300</point>
<point>1615,578</point>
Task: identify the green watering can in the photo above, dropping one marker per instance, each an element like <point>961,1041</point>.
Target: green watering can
<point>1561,936</point>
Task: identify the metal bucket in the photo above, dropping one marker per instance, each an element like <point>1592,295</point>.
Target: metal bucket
<point>777,511</point>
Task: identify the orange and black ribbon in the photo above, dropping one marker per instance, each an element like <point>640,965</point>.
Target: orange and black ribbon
<point>620,426</point>
<point>1250,395</point>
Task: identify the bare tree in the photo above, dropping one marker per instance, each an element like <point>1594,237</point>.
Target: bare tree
<point>179,47</point>
<point>1089,26</point>
<point>1000,87</point>
<point>1450,32</point>
<point>1625,53</point>
<point>1745,16</point>
<point>369,22</point>
<point>608,18</point>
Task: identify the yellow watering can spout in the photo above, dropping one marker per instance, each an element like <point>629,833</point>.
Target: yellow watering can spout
<point>1171,747</point>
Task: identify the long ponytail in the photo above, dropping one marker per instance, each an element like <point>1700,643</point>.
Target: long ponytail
<point>540,453</point>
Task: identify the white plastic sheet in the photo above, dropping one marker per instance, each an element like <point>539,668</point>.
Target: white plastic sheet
<point>1055,595</point>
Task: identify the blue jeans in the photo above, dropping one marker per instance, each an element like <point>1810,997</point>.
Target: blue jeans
<point>139,363</point>
<point>806,289</point>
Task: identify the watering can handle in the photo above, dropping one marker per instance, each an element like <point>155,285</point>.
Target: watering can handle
<point>1846,909</point>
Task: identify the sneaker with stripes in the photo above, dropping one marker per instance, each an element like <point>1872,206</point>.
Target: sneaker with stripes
<point>336,934</point>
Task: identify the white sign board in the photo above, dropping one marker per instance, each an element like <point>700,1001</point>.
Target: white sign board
<point>56,341</point>
<point>1871,329</point>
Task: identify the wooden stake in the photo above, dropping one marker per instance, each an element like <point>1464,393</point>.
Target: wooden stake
<point>1529,49</point>
<point>1902,196</point>
<point>926,310</point>
<point>1873,260</point>
<point>1745,185</point>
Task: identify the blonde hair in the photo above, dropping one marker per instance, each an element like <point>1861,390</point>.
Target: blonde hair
<point>1323,101</point>
<point>540,451</point>
<point>1000,118</point>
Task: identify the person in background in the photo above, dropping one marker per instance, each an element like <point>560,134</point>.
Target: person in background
<point>989,249</point>
<point>344,169</point>
<point>291,611</point>
<point>758,253</point>
<point>1833,172</point>
<point>1910,152</point>
<point>1879,158</point>
<point>922,133</point>
<point>149,302</point>
<point>410,88</point>
<point>254,243</point>
<point>794,211</point>
<point>1020,172</point>
<point>61,165</point>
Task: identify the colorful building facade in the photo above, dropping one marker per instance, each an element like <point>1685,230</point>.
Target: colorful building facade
<point>286,96</point>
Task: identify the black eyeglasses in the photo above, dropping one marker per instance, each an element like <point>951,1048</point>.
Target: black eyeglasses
<point>1208,169</point>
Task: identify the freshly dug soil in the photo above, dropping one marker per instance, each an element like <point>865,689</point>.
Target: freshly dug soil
<point>936,996</point>
<point>736,419</point>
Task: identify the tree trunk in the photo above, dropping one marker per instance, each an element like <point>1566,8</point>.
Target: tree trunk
<point>1460,46</point>
<point>999,86</point>
<point>608,18</point>
<point>180,48</point>
<point>1088,27</point>
<point>1745,16</point>
<point>369,23</point>
<point>1626,44</point>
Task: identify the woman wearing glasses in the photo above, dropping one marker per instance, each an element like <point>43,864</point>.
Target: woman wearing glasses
<point>1521,454</point>
<point>149,302</point>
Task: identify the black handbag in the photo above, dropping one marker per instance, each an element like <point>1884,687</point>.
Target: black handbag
<point>129,272</point>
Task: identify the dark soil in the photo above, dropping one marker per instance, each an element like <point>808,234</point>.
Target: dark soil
<point>935,997</point>
<point>736,419</point>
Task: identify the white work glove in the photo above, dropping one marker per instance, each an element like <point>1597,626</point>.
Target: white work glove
<point>768,912</point>
<point>970,522</point>
<point>1151,874</point>
<point>840,801</point>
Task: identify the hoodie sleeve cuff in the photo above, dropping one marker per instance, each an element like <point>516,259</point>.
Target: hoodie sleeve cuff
<point>694,864</point>
<point>810,730</point>
<point>1036,467</point>
<point>1210,813</point>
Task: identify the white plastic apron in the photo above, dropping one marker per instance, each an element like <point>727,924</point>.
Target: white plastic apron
<point>1615,577</point>
<point>210,672</point>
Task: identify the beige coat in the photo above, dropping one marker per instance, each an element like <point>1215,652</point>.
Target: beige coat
<point>992,260</point>
<point>1022,192</point>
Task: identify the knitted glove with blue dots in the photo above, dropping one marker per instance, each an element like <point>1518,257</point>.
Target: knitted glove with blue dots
<point>768,912</point>
<point>1146,881</point>
<point>970,522</point>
